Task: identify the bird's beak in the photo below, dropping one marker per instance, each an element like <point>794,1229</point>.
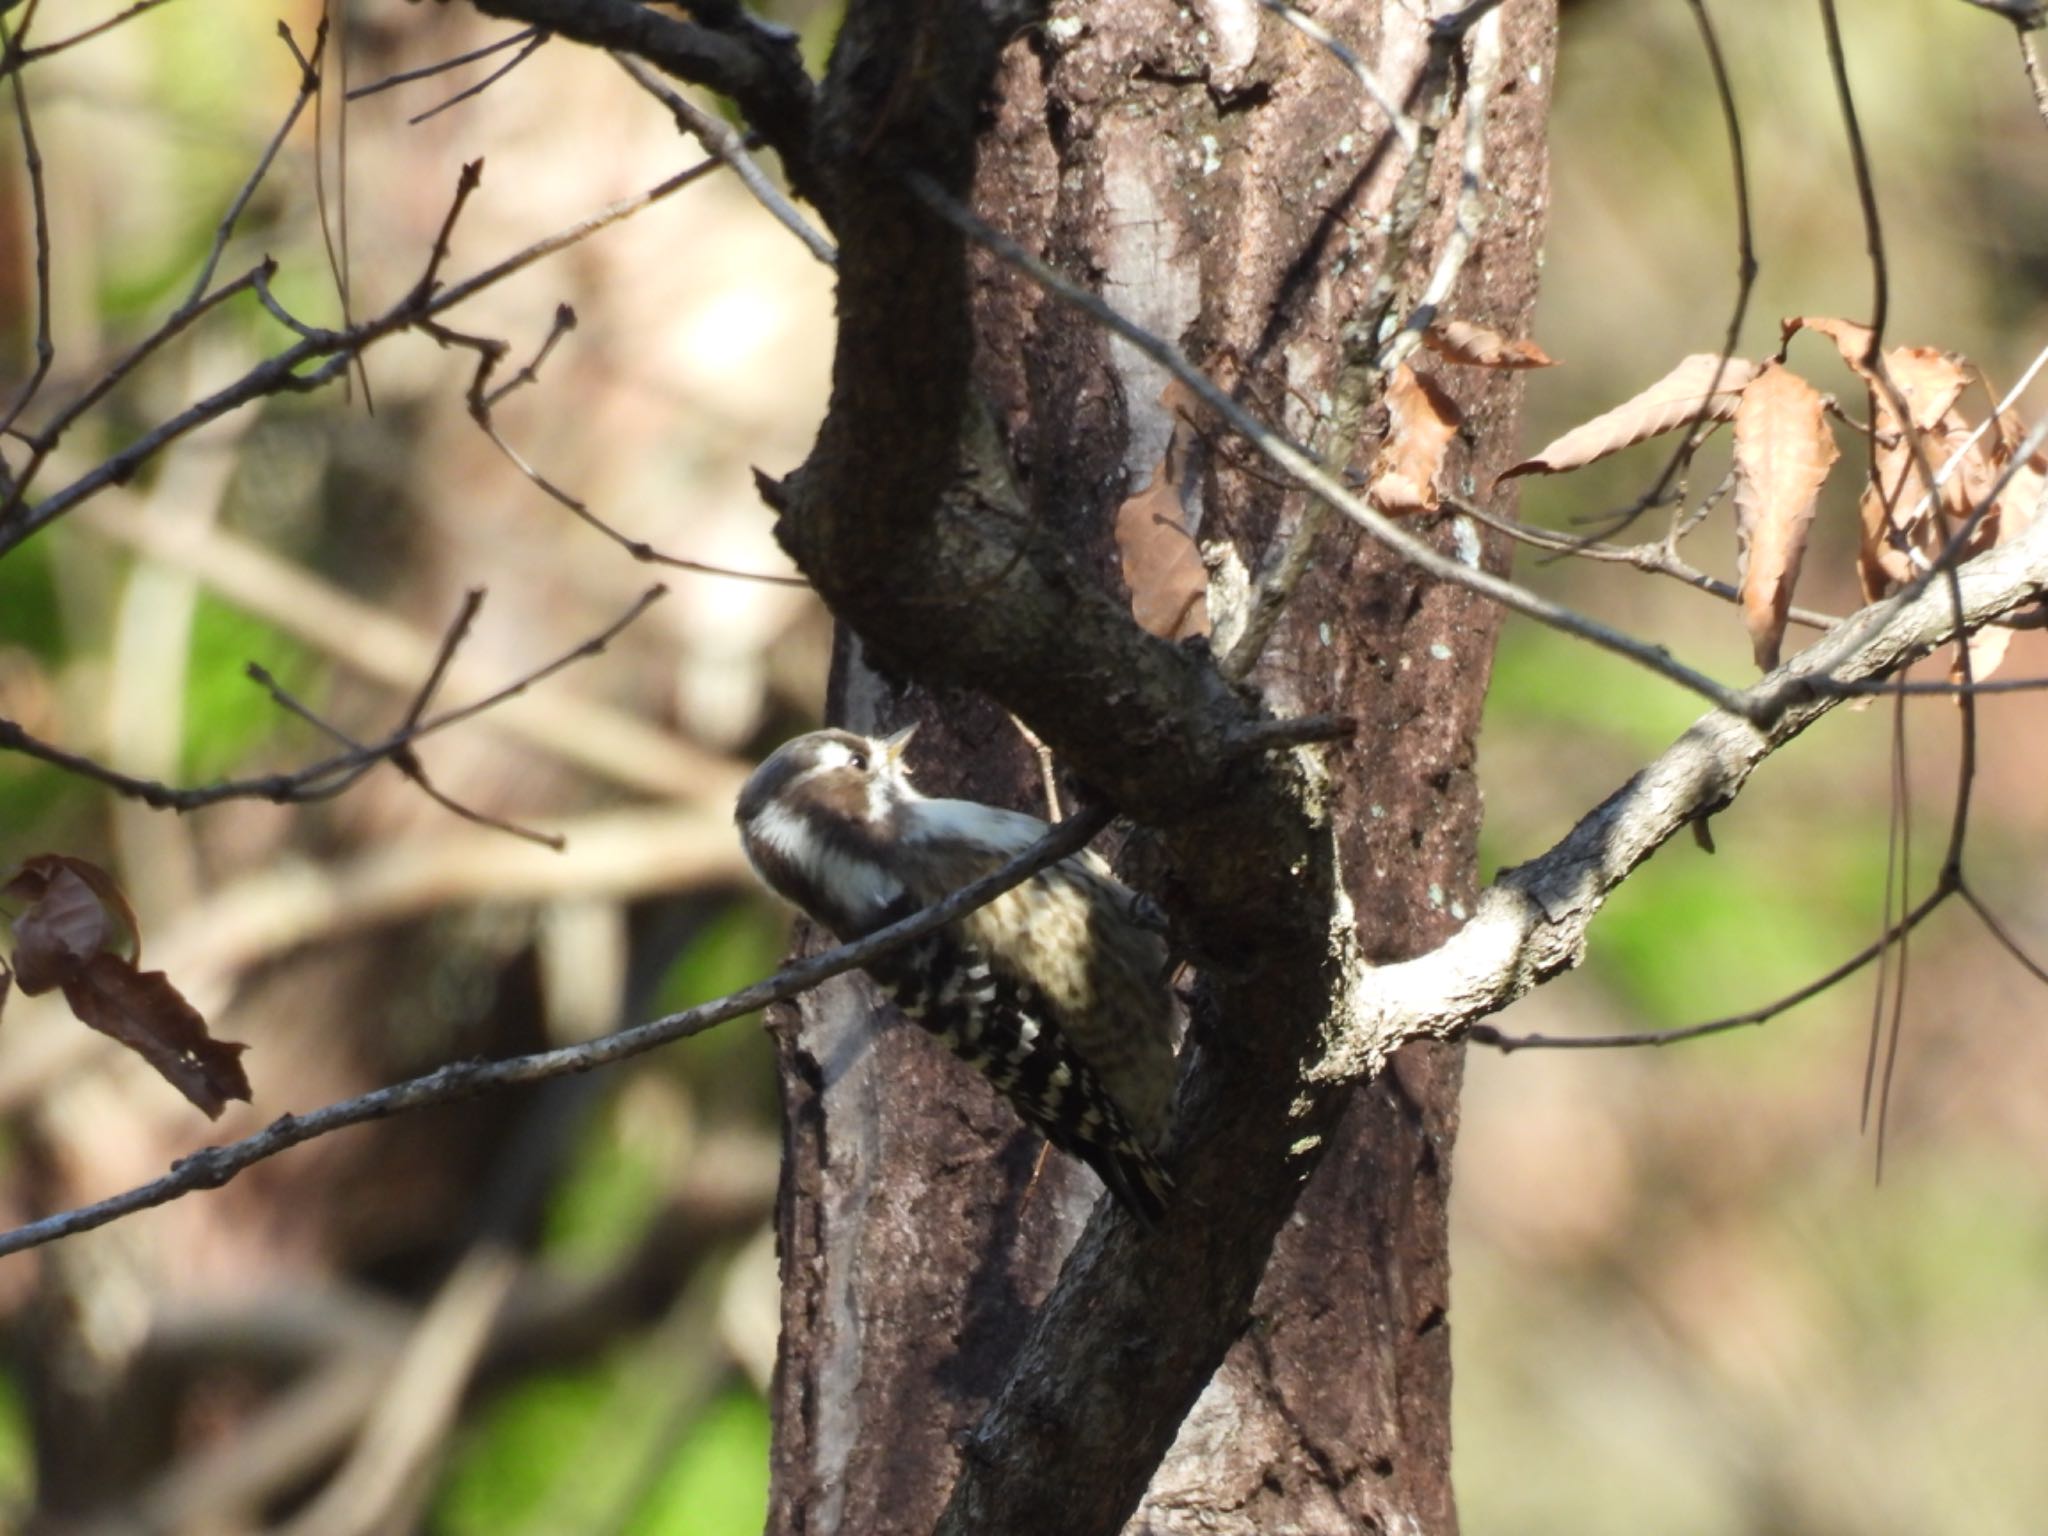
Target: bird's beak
<point>893,746</point>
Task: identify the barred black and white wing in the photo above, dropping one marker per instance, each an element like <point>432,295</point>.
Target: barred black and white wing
<point>997,1023</point>
<point>1077,1009</point>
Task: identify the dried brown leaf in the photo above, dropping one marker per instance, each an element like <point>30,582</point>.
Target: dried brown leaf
<point>2011,515</point>
<point>1460,341</point>
<point>1422,420</point>
<point>1783,452</point>
<point>1899,520</point>
<point>143,1011</point>
<point>1705,385</point>
<point>1162,565</point>
<point>74,912</point>
<point>1851,337</point>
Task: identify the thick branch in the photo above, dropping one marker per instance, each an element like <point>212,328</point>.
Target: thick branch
<point>724,48</point>
<point>1532,923</point>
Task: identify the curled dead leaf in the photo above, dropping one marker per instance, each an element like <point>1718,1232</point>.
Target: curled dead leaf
<point>1704,386</point>
<point>2014,510</point>
<point>75,911</point>
<point>143,1011</point>
<point>1460,341</point>
<point>1783,452</point>
<point>78,935</point>
<point>1422,420</point>
<point>1162,565</point>
<point>1851,337</point>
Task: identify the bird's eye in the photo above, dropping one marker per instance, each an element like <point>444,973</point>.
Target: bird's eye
<point>859,761</point>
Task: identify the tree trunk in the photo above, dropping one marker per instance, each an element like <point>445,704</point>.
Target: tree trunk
<point>1223,181</point>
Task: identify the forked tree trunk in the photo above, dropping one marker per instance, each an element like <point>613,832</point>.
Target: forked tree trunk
<point>1223,181</point>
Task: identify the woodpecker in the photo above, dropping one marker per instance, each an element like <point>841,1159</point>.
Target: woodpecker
<point>1056,991</point>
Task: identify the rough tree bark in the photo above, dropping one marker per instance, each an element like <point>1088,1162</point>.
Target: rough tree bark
<point>1223,181</point>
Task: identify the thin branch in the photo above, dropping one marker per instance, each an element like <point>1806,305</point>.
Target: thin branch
<point>1298,463</point>
<point>427,71</point>
<point>1487,1034</point>
<point>1891,982</point>
<point>2033,67</point>
<point>1361,380</point>
<point>309,87</point>
<point>1998,930</point>
<point>18,60</point>
<point>1874,367</point>
<point>324,779</point>
<point>1402,124</point>
<point>1658,558</point>
<point>2025,15</point>
<point>402,756</point>
<point>1945,689</point>
<point>1746,269</point>
<point>32,160</point>
<point>729,145</point>
<point>331,350</point>
<point>756,63</point>
<point>1962,449</point>
<point>44,440</point>
<point>564,323</point>
<point>482,398</point>
<point>215,1166</point>
<point>533,46</point>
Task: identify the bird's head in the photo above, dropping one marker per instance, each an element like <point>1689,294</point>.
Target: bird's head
<point>818,819</point>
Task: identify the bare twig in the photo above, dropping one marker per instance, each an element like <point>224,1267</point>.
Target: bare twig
<point>309,87</point>
<point>215,1166</point>
<point>1487,1034</point>
<point>1362,367</point>
<point>402,756</point>
<point>2025,15</point>
<point>482,398</point>
<point>1657,557</point>
<point>1962,450</point>
<point>564,323</point>
<point>1944,689</point>
<point>611,744</point>
<point>2032,64</point>
<point>533,46</point>
<point>32,161</point>
<point>1874,367</point>
<point>1998,931</point>
<point>17,59</point>
<point>329,777</point>
<point>1402,124</point>
<point>427,71</point>
<point>1891,972</point>
<point>323,355</point>
<point>730,146</point>
<point>1746,268</point>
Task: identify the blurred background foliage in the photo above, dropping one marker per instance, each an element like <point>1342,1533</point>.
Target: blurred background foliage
<point>1682,1302</point>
